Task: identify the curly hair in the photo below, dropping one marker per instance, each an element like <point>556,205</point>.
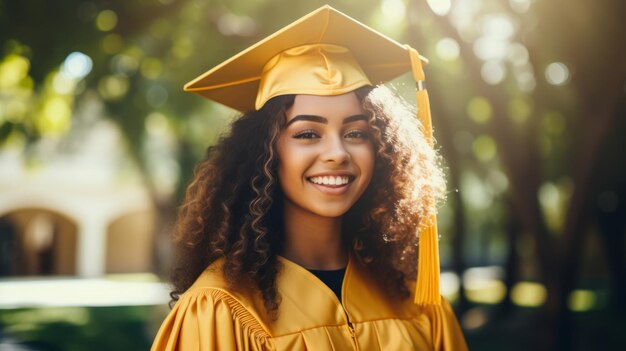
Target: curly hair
<point>233,206</point>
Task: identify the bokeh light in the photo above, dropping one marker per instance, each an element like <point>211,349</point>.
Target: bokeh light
<point>484,148</point>
<point>106,20</point>
<point>448,49</point>
<point>474,192</point>
<point>463,16</point>
<point>497,181</point>
<point>498,26</point>
<point>231,24</point>
<point>484,284</point>
<point>113,87</point>
<point>487,48</point>
<point>55,117</point>
<point>156,124</point>
<point>151,67</point>
<point>474,318</point>
<point>518,54</point>
<point>182,48</point>
<point>525,78</point>
<point>520,109</point>
<point>13,70</point>
<point>156,96</point>
<point>493,72</point>
<point>557,73</point>
<point>549,195</point>
<point>77,65</point>
<point>479,109</point>
<point>440,7</point>
<point>13,111</point>
<point>63,84</point>
<point>528,294</point>
<point>161,28</point>
<point>582,300</point>
<point>520,6</point>
<point>124,64</point>
<point>393,10</point>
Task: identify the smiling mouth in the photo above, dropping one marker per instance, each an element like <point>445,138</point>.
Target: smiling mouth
<point>331,181</point>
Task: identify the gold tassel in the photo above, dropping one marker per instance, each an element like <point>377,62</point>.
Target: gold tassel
<point>427,286</point>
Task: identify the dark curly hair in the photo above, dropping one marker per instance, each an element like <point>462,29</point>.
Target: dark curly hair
<point>233,206</point>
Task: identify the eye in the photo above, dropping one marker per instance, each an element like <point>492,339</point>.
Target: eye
<point>306,134</point>
<point>357,134</point>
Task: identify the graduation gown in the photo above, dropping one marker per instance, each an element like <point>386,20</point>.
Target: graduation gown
<point>211,316</point>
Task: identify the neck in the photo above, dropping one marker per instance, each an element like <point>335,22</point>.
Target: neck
<point>312,241</point>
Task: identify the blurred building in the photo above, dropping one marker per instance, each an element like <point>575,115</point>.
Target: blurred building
<point>74,206</point>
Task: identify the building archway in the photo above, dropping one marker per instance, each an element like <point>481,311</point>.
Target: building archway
<point>130,243</point>
<point>37,242</point>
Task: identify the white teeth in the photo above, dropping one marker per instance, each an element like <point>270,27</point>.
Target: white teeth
<point>330,180</point>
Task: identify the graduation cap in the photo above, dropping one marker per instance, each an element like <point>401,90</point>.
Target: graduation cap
<point>326,53</point>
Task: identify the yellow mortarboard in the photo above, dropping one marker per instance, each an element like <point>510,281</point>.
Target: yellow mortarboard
<point>326,53</point>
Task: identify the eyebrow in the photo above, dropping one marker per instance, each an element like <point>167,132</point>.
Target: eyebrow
<point>323,120</point>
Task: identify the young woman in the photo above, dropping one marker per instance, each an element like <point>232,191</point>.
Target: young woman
<point>299,230</point>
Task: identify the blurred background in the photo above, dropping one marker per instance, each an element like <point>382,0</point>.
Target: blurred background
<point>98,141</point>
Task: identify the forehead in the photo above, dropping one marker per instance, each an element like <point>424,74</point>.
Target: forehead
<point>339,106</point>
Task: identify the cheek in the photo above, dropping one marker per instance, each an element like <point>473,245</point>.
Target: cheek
<point>365,160</point>
<point>292,164</point>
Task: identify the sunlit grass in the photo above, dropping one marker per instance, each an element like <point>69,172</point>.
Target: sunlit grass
<point>24,319</point>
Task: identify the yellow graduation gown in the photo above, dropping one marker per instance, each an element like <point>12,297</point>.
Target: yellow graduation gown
<point>210,316</point>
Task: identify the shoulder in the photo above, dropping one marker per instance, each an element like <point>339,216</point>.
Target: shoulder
<point>215,305</point>
<point>212,287</point>
<point>211,316</point>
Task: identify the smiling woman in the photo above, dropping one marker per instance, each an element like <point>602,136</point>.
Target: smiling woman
<point>299,230</point>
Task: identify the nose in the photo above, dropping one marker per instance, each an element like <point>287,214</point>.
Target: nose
<point>335,151</point>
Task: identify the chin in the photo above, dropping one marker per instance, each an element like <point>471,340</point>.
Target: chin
<point>330,211</point>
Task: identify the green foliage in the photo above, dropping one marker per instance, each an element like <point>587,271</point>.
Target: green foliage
<point>82,328</point>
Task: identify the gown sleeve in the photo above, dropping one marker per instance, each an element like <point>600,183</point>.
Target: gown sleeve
<point>446,332</point>
<point>210,319</point>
